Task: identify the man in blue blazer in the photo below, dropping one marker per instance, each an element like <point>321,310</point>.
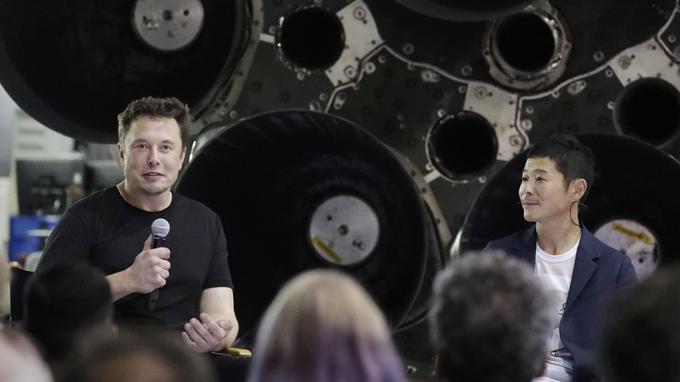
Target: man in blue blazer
<point>581,271</point>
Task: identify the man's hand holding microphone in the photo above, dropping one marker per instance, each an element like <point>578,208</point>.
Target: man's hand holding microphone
<point>149,270</point>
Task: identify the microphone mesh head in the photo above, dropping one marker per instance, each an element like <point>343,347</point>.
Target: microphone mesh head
<point>160,227</point>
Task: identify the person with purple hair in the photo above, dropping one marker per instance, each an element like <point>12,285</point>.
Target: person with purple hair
<point>323,327</point>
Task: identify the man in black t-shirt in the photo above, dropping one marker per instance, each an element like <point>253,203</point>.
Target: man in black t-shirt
<point>110,229</point>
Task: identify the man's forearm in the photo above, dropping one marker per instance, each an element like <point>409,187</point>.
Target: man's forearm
<point>120,286</point>
<point>218,304</point>
<point>232,334</point>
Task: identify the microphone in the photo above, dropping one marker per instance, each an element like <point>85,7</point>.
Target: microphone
<point>159,230</point>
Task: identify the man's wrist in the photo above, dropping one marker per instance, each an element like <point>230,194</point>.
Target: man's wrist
<point>126,281</point>
<point>120,284</point>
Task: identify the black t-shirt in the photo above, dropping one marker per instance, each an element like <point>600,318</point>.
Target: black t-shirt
<point>106,231</point>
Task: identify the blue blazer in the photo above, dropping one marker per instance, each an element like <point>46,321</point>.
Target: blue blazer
<point>599,270</point>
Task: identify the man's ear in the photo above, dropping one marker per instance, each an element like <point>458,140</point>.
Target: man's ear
<point>121,154</point>
<point>579,187</point>
<point>184,152</point>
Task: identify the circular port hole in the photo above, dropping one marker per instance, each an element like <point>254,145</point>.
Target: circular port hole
<point>462,146</point>
<point>525,42</point>
<point>649,109</point>
<point>311,38</point>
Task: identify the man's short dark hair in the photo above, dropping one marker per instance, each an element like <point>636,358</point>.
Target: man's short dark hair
<point>62,302</point>
<point>490,319</point>
<point>155,107</point>
<point>642,335</point>
<point>572,158</point>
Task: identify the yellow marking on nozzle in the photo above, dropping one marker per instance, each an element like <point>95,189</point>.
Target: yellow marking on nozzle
<point>641,236</point>
<point>327,250</point>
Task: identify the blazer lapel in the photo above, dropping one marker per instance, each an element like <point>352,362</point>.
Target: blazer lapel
<point>584,266</point>
<point>525,247</point>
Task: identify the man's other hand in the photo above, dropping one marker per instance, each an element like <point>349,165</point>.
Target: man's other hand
<point>203,334</point>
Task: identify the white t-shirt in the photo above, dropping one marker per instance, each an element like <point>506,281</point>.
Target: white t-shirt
<point>555,273</point>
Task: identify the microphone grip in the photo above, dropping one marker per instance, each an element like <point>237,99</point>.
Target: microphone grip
<point>153,296</point>
<point>158,242</point>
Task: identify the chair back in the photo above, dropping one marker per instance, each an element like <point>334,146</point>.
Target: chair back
<point>19,278</point>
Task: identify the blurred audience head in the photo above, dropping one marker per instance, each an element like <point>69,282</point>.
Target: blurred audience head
<point>136,357</point>
<point>490,320</point>
<point>323,327</point>
<point>64,301</point>
<point>20,361</point>
<point>642,334</point>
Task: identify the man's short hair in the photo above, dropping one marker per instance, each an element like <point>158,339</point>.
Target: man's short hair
<point>155,107</point>
<point>490,319</point>
<point>572,158</point>
<point>62,302</point>
<point>642,335</point>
